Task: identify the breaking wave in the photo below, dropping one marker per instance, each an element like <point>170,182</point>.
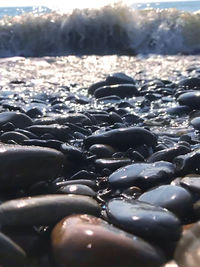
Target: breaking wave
<point>113,29</point>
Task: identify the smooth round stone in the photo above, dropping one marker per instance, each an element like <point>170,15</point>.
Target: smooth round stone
<point>143,175</point>
<point>59,131</point>
<point>10,253</point>
<point>92,88</point>
<point>190,82</point>
<point>119,78</point>
<point>188,163</point>
<point>122,90</point>
<point>123,138</point>
<point>187,251</point>
<point>102,151</point>
<point>174,198</point>
<point>19,138</point>
<point>192,183</point>
<point>72,152</point>
<point>77,189</point>
<point>24,165</point>
<point>87,241</point>
<point>143,219</point>
<point>45,210</point>
<point>63,119</point>
<point>196,123</point>
<point>190,99</point>
<point>169,154</point>
<point>89,183</point>
<point>179,110</point>
<point>20,120</point>
<point>112,164</point>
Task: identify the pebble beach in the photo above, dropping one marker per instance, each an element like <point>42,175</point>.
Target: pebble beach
<point>100,156</point>
<point>100,136</point>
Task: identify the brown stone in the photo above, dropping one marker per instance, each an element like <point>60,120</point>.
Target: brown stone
<point>86,241</point>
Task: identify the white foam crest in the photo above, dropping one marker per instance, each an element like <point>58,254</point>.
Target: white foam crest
<point>108,30</point>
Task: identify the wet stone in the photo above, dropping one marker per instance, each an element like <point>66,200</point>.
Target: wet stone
<point>169,154</point>
<point>89,183</point>
<point>132,137</point>
<point>112,163</point>
<point>102,151</point>
<point>190,83</point>
<point>19,212</point>
<point>143,175</point>
<point>119,78</point>
<point>144,220</point>
<point>20,120</point>
<point>122,90</point>
<point>179,110</point>
<point>77,189</point>
<point>174,198</point>
<point>190,99</point>
<point>188,163</point>
<point>82,240</point>
<point>196,123</point>
<point>19,138</point>
<point>29,165</point>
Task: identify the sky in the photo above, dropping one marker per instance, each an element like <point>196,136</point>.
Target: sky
<point>73,3</point>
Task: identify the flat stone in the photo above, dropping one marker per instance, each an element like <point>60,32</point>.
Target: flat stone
<point>174,198</point>
<point>169,154</point>
<point>122,90</point>
<point>24,165</point>
<point>45,210</point>
<point>20,120</point>
<point>86,241</point>
<point>63,119</point>
<point>144,220</point>
<point>123,138</point>
<point>143,175</point>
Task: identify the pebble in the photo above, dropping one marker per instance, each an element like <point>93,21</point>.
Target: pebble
<point>169,154</point>
<point>132,137</point>
<point>190,99</point>
<point>86,241</point>
<point>29,165</point>
<point>122,90</point>
<point>143,175</point>
<point>77,189</point>
<point>144,220</point>
<point>174,198</point>
<point>188,163</point>
<point>20,120</point>
<point>20,212</point>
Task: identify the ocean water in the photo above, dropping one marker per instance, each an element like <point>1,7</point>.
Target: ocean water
<point>164,29</point>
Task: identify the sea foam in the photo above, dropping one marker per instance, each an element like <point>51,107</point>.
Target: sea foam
<point>113,29</point>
